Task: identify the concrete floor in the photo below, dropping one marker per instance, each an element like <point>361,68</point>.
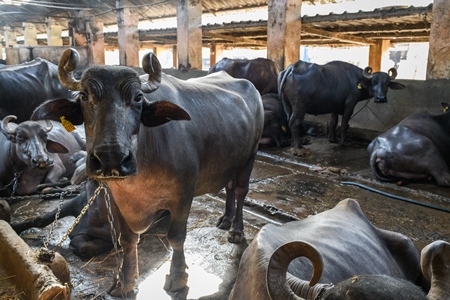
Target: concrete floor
<point>282,188</point>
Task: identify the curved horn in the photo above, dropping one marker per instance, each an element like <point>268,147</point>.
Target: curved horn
<point>435,264</point>
<point>368,72</point>
<point>48,126</point>
<point>277,285</point>
<point>68,62</point>
<point>152,67</point>
<point>392,72</point>
<point>5,126</point>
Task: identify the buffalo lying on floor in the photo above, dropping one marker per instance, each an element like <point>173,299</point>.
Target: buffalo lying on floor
<point>33,153</point>
<point>25,86</point>
<point>342,238</point>
<point>334,88</point>
<point>262,72</point>
<point>417,148</point>
<point>157,142</point>
<point>274,133</point>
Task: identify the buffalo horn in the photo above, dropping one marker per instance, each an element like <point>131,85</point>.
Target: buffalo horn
<point>368,72</point>
<point>277,284</point>
<point>5,126</point>
<point>68,62</point>
<point>435,264</point>
<point>48,126</point>
<point>392,72</point>
<point>152,67</point>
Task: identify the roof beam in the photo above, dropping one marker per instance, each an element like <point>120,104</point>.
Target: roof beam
<point>338,36</point>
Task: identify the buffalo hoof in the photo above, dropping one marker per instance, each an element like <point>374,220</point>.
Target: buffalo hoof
<point>301,152</point>
<point>116,290</point>
<point>235,236</point>
<point>176,283</point>
<point>224,223</point>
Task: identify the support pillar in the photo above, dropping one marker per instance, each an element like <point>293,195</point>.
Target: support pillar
<point>215,54</point>
<point>189,34</point>
<point>29,34</point>
<point>175,56</point>
<point>283,32</point>
<point>10,36</point>
<point>96,41</point>
<point>128,35</point>
<point>438,65</point>
<point>54,33</point>
<point>377,52</point>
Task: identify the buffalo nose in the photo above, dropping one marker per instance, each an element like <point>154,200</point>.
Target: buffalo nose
<point>118,163</point>
<point>41,162</point>
<point>381,100</point>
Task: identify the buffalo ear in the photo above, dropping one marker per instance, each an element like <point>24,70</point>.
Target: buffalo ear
<point>161,112</point>
<point>55,109</point>
<point>396,85</point>
<point>55,147</point>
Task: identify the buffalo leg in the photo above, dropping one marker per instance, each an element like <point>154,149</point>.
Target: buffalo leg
<point>129,265</point>
<point>230,207</point>
<point>295,124</point>
<point>176,281</point>
<point>333,124</point>
<point>236,233</point>
<point>345,120</point>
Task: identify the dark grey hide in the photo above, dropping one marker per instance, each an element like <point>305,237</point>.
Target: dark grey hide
<point>35,153</point>
<point>334,88</point>
<point>157,148</point>
<point>24,87</point>
<point>417,148</point>
<point>344,244</point>
<point>262,72</point>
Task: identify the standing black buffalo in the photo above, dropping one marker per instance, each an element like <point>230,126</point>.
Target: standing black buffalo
<point>157,142</point>
<point>32,153</point>
<point>24,87</point>
<point>262,72</point>
<point>336,88</point>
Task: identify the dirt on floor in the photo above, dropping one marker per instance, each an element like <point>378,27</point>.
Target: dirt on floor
<point>283,188</point>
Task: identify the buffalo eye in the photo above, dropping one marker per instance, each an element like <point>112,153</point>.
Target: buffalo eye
<point>82,96</point>
<point>138,98</point>
<point>19,137</point>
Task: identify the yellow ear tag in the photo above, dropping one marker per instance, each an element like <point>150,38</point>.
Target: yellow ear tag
<point>66,124</point>
<point>445,108</point>
<point>359,86</point>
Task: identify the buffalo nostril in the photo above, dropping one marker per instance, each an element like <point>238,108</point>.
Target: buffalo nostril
<point>127,163</point>
<point>95,164</point>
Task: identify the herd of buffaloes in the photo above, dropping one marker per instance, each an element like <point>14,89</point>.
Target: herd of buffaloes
<point>335,254</point>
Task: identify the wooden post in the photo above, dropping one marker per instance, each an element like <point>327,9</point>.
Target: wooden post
<point>96,42</point>
<point>376,54</point>
<point>128,35</point>
<point>438,65</point>
<point>10,36</point>
<point>29,34</point>
<point>215,54</point>
<point>189,34</point>
<point>54,33</point>
<point>283,31</point>
<point>175,56</point>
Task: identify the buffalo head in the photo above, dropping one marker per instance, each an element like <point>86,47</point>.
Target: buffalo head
<point>378,83</point>
<point>30,143</point>
<point>112,105</point>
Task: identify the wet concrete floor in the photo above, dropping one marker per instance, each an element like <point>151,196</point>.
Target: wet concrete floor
<point>283,188</point>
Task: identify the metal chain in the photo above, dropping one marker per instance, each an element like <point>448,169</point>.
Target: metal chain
<point>120,278</point>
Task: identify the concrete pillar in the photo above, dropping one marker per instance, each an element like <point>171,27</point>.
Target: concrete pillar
<point>377,53</point>
<point>29,34</point>
<point>1,48</point>
<point>128,35</point>
<point>438,66</point>
<point>189,34</point>
<point>283,31</point>
<point>54,33</point>
<point>215,54</point>
<point>10,36</point>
